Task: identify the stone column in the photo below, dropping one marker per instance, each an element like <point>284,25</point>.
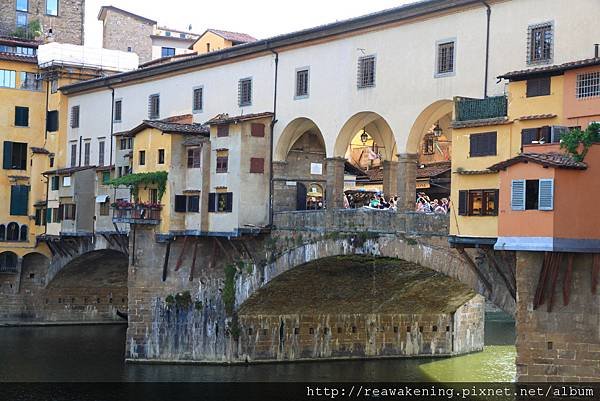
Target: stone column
<point>334,191</point>
<point>284,197</point>
<point>407,181</point>
<point>390,178</point>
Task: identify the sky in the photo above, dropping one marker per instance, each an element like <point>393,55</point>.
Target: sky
<point>259,18</point>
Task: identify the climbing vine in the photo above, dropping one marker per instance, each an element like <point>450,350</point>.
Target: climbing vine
<point>229,289</point>
<point>577,142</point>
<point>133,181</point>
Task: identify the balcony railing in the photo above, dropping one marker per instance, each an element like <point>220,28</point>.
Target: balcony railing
<point>480,109</point>
<point>8,270</point>
<point>137,214</point>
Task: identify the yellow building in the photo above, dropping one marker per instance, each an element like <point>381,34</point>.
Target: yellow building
<point>214,40</point>
<point>488,131</point>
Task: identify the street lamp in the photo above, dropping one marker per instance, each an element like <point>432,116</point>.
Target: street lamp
<point>437,130</point>
<point>364,137</point>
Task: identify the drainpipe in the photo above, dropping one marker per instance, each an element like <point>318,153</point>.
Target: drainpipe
<point>487,49</point>
<point>273,122</point>
<point>112,123</point>
<point>80,143</point>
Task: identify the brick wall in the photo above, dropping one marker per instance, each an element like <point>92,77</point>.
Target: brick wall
<point>122,32</point>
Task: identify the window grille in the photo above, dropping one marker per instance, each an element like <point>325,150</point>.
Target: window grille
<point>588,85</point>
<point>154,106</point>
<point>302,83</point>
<point>245,92</point>
<point>445,58</point>
<point>366,72</point>
<point>75,117</point>
<point>198,99</point>
<point>540,43</point>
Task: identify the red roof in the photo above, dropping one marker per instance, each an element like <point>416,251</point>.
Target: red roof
<point>555,160</point>
<point>433,170</point>
<point>236,37</point>
<point>18,57</point>
<point>550,70</point>
<point>225,119</point>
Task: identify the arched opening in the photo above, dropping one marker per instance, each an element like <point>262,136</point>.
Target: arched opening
<point>23,234</point>
<point>431,139</point>
<point>34,269</point>
<point>12,232</point>
<point>8,262</point>
<point>2,232</point>
<point>299,167</point>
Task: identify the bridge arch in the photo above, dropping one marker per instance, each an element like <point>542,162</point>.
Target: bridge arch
<point>436,111</point>
<point>375,126</point>
<point>292,133</point>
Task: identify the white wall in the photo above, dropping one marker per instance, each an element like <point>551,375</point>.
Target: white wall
<point>180,47</point>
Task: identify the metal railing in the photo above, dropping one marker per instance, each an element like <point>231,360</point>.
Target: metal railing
<point>468,109</point>
<point>136,215</point>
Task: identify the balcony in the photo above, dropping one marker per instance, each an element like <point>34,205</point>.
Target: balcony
<point>132,213</point>
<point>467,109</point>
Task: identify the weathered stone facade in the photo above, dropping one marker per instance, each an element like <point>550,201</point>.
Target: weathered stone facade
<point>66,27</point>
<point>564,344</point>
<point>125,32</point>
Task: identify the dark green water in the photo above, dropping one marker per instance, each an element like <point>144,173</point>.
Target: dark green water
<point>95,353</point>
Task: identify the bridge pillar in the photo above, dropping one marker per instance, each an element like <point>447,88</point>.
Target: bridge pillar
<point>407,181</point>
<point>335,183</point>
<point>390,178</point>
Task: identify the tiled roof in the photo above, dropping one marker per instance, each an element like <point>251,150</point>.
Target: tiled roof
<point>40,150</point>
<point>537,117</point>
<point>550,70</point>
<point>351,169</point>
<point>481,123</point>
<point>167,59</point>
<point>171,127</point>
<point>235,37</point>
<point>18,57</point>
<point>69,170</point>
<point>474,172</point>
<point>14,41</point>
<point>433,170</point>
<point>555,160</point>
<point>225,119</point>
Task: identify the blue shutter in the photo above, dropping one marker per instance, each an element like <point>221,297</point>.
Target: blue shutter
<point>546,195</point>
<point>19,200</point>
<point>517,200</point>
<point>7,155</point>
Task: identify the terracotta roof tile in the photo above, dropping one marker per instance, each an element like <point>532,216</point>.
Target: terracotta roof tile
<point>551,69</point>
<point>481,123</point>
<point>69,170</point>
<point>555,160</point>
<point>18,57</point>
<point>433,170</point>
<point>40,150</point>
<point>537,117</point>
<point>236,37</point>
<point>225,119</point>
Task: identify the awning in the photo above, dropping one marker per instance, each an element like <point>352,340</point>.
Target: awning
<point>101,198</point>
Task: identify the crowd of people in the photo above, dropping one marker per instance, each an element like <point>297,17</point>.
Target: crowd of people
<point>378,200</point>
<point>426,205</point>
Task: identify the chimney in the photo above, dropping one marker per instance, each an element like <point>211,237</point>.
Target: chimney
<point>597,50</point>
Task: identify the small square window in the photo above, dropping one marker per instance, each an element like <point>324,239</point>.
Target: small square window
<point>366,72</point>
<point>167,51</point>
<point>222,164</point>
<point>445,58</point>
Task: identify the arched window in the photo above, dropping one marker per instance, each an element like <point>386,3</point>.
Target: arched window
<point>23,232</point>
<point>12,232</point>
<point>2,232</point>
<point>8,262</point>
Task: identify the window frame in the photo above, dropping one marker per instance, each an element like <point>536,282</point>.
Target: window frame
<point>194,157</point>
<point>201,89</point>
<point>118,117</point>
<point>26,78</point>
<point>243,102</point>
<point>75,113</point>
<point>222,164</point>
<point>467,197</point>
<point>534,88</point>
<point>486,152</point>
<point>151,104</point>
<point>57,8</point>
<point>160,157</point>
<point>583,92</point>
<point>168,49</point>
<point>14,158</point>
<point>87,150</point>
<point>11,81</point>
<point>531,60</point>
<point>101,151</point>
<point>297,95</point>
<point>21,9</point>
<point>438,47</point>
<point>142,158</point>
<point>18,110</point>
<point>361,82</point>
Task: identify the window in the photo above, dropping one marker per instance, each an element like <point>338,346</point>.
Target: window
<point>15,156</point>
<point>2,232</point>
<point>257,165</point>
<point>12,232</point>
<point>29,81</point>
<point>161,156</point>
<point>366,72</point>
<point>21,116</point>
<point>67,181</point>
<point>221,202</point>
<point>54,86</point>
<point>8,79</point>
<point>22,20</point>
<point>154,195</point>
<point>19,200</point>
<point>257,130</point>
<point>75,117</point>
<point>52,7</point>
<point>193,205</point>
<point>105,208</point>
<point>54,181</point>
<point>532,194</point>
<point>222,162</point>
<point>197,102</point>
<point>52,121</point>
<point>129,49</point>
<point>538,86</point>
<point>142,157</point>
<point>180,203</point>
<point>302,83</point>
<point>8,262</point>
<point>125,143</point>
<point>245,92</point>
<point>190,204</point>
<point>428,145</point>
<point>101,152</point>
<point>536,135</point>
<point>540,44</point>
<point>154,106</point>
<point>23,5</point>
<point>167,51</point>
<point>483,144</point>
<point>23,234</point>
<point>478,202</point>
<point>588,85</point>
<point>167,33</point>
<point>445,58</point>
<point>182,35</point>
<point>222,130</point>
<point>86,152</point>
<point>208,47</point>
<point>51,161</point>
<point>105,177</point>
<point>194,157</point>
<point>73,154</point>
<point>68,211</point>
<point>40,217</point>
<point>118,110</point>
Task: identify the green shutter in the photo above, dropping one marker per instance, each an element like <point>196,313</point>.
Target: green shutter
<point>19,200</point>
<point>7,161</point>
<point>49,215</point>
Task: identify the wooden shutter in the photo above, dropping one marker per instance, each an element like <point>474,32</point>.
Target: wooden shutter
<point>7,155</point>
<point>546,195</point>
<point>529,135</point>
<point>52,121</point>
<point>229,202</point>
<point>517,200</point>
<point>538,87</point>
<point>257,130</point>
<point>190,158</point>
<point>19,200</point>
<point>546,134</point>
<point>21,116</point>
<point>61,212</point>
<point>223,130</point>
<point>193,203</point>
<point>463,198</point>
<point>483,144</point>
<point>212,202</point>
<point>257,165</point>
<point>49,215</point>
<point>496,202</point>
<point>180,203</point>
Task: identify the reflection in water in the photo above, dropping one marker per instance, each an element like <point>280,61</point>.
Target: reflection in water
<point>95,353</point>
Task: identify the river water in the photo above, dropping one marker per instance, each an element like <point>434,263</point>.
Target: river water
<point>96,353</point>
